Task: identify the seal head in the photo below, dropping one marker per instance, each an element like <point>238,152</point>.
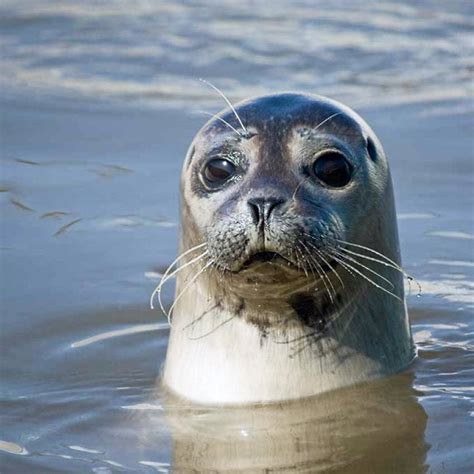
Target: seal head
<point>289,202</point>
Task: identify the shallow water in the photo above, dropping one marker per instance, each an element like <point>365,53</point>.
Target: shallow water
<point>89,207</point>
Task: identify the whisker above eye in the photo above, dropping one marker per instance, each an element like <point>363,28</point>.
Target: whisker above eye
<point>326,120</point>
<point>229,103</point>
<point>221,120</point>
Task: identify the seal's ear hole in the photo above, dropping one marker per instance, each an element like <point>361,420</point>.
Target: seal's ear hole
<point>372,150</point>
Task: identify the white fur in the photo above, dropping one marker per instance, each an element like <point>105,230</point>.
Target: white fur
<point>222,360</point>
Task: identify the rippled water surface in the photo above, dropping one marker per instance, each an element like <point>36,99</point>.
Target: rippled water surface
<point>152,52</point>
<point>98,102</point>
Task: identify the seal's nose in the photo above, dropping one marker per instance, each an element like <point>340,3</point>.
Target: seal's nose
<point>262,207</point>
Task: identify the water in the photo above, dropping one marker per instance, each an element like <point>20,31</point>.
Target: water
<point>151,53</point>
<point>97,112</point>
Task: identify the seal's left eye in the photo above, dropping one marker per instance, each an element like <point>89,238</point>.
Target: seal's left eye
<point>333,169</point>
<point>218,171</point>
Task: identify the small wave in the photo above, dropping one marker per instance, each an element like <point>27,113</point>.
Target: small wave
<point>12,448</point>
<point>454,290</point>
<point>415,215</point>
<point>112,223</point>
<point>453,263</point>
<point>449,234</point>
<point>158,466</point>
<point>120,332</point>
<point>85,450</point>
<point>143,406</point>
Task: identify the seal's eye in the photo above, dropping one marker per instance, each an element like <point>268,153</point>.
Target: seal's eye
<point>217,171</point>
<point>333,169</point>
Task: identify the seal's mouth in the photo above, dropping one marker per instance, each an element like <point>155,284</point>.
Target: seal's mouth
<point>277,259</point>
<point>265,257</point>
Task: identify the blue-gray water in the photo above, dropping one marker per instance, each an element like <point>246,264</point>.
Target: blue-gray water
<point>151,52</point>
<point>99,102</point>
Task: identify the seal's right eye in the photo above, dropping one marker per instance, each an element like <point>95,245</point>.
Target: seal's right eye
<point>218,171</point>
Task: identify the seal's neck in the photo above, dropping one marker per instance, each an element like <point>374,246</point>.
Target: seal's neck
<point>216,356</point>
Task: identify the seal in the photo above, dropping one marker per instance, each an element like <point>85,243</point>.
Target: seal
<point>289,281</point>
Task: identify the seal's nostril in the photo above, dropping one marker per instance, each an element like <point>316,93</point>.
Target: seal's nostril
<point>262,207</point>
<point>271,204</point>
<point>254,211</point>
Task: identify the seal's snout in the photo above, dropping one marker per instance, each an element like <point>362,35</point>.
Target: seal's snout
<point>261,209</point>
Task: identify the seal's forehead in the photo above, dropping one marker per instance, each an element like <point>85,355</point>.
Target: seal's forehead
<point>286,107</point>
<point>277,114</point>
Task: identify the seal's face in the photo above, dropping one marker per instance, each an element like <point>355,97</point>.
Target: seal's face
<point>290,185</point>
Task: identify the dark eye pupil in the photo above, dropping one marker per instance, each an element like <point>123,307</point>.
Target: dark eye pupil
<point>218,170</point>
<point>332,169</point>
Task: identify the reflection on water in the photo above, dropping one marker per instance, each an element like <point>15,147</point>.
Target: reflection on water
<point>89,206</point>
<point>348,431</point>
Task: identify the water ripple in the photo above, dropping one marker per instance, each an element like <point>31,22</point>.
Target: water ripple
<point>152,52</point>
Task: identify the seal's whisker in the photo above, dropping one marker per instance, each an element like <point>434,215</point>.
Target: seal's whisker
<point>311,266</point>
<point>164,279</point>
<point>296,257</point>
<point>229,103</point>
<point>221,120</point>
<point>216,265</point>
<point>190,282</point>
<point>353,260</point>
<point>326,120</point>
<point>381,262</point>
<point>170,266</point>
<point>298,187</point>
<point>310,339</point>
<point>326,262</point>
<point>346,268</point>
<point>321,255</point>
<point>324,272</point>
<point>369,250</point>
<point>336,257</point>
<point>196,320</point>
<point>295,339</point>
<point>323,275</point>
<point>306,261</point>
<point>213,329</point>
<point>388,263</point>
<point>170,275</point>
<point>378,260</point>
<point>297,249</point>
<point>349,258</point>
